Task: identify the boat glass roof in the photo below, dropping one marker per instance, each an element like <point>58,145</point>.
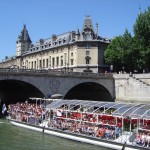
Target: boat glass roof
<point>115,109</point>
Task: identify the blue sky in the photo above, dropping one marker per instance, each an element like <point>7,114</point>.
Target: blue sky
<point>46,17</point>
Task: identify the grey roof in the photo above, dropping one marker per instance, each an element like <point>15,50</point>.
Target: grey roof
<point>54,41</point>
<point>24,36</point>
<point>87,24</point>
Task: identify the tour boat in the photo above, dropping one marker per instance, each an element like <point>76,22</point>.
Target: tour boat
<point>107,124</point>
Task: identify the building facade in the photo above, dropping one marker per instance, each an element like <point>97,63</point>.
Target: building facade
<point>78,51</point>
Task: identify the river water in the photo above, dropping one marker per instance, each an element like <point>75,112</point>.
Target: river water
<point>16,138</point>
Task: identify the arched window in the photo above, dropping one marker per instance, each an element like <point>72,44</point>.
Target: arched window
<point>87,59</point>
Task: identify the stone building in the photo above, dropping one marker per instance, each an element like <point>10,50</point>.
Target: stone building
<point>77,51</point>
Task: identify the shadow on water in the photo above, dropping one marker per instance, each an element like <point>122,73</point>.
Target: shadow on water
<point>15,138</point>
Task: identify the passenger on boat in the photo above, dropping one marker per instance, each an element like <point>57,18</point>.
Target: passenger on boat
<point>143,141</point>
<point>117,131</point>
<point>148,140</point>
<point>95,130</point>
<point>106,134</point>
<point>139,139</point>
<point>101,133</point>
<point>90,130</point>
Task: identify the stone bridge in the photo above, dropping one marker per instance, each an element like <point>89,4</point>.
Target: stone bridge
<point>18,84</point>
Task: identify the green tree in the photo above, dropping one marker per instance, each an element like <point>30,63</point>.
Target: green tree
<point>120,51</point>
<point>142,36</point>
<point>131,53</point>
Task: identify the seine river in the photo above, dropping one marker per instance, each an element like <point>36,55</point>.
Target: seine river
<point>16,138</point>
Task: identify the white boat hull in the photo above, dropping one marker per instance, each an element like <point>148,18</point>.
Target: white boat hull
<point>115,146</point>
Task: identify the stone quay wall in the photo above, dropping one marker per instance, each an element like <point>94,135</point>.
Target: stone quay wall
<point>132,88</point>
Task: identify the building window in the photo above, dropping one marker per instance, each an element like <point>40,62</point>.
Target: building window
<point>87,46</point>
<point>34,64</point>
<point>65,58</point>
<point>46,63</point>
<point>50,61</point>
<point>53,62</point>
<point>71,54</point>
<point>57,61</point>
<point>29,65</point>
<point>87,53</point>
<point>61,60</point>
<point>72,61</point>
<point>40,65</point>
<point>64,40</point>
<point>87,59</point>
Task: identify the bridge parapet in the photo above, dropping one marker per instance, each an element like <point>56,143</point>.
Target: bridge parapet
<point>43,72</point>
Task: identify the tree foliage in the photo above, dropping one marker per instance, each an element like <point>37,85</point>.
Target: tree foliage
<point>131,53</point>
<point>120,51</point>
<point>142,36</point>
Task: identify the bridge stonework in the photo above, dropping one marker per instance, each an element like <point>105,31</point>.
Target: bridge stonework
<point>58,82</point>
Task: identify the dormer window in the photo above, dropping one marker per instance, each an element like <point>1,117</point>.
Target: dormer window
<point>87,36</point>
<point>64,40</point>
<point>73,40</point>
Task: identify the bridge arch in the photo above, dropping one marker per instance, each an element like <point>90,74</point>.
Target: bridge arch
<point>12,90</point>
<point>48,83</point>
<point>89,91</point>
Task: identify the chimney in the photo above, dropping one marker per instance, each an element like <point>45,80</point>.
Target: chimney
<point>97,29</point>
